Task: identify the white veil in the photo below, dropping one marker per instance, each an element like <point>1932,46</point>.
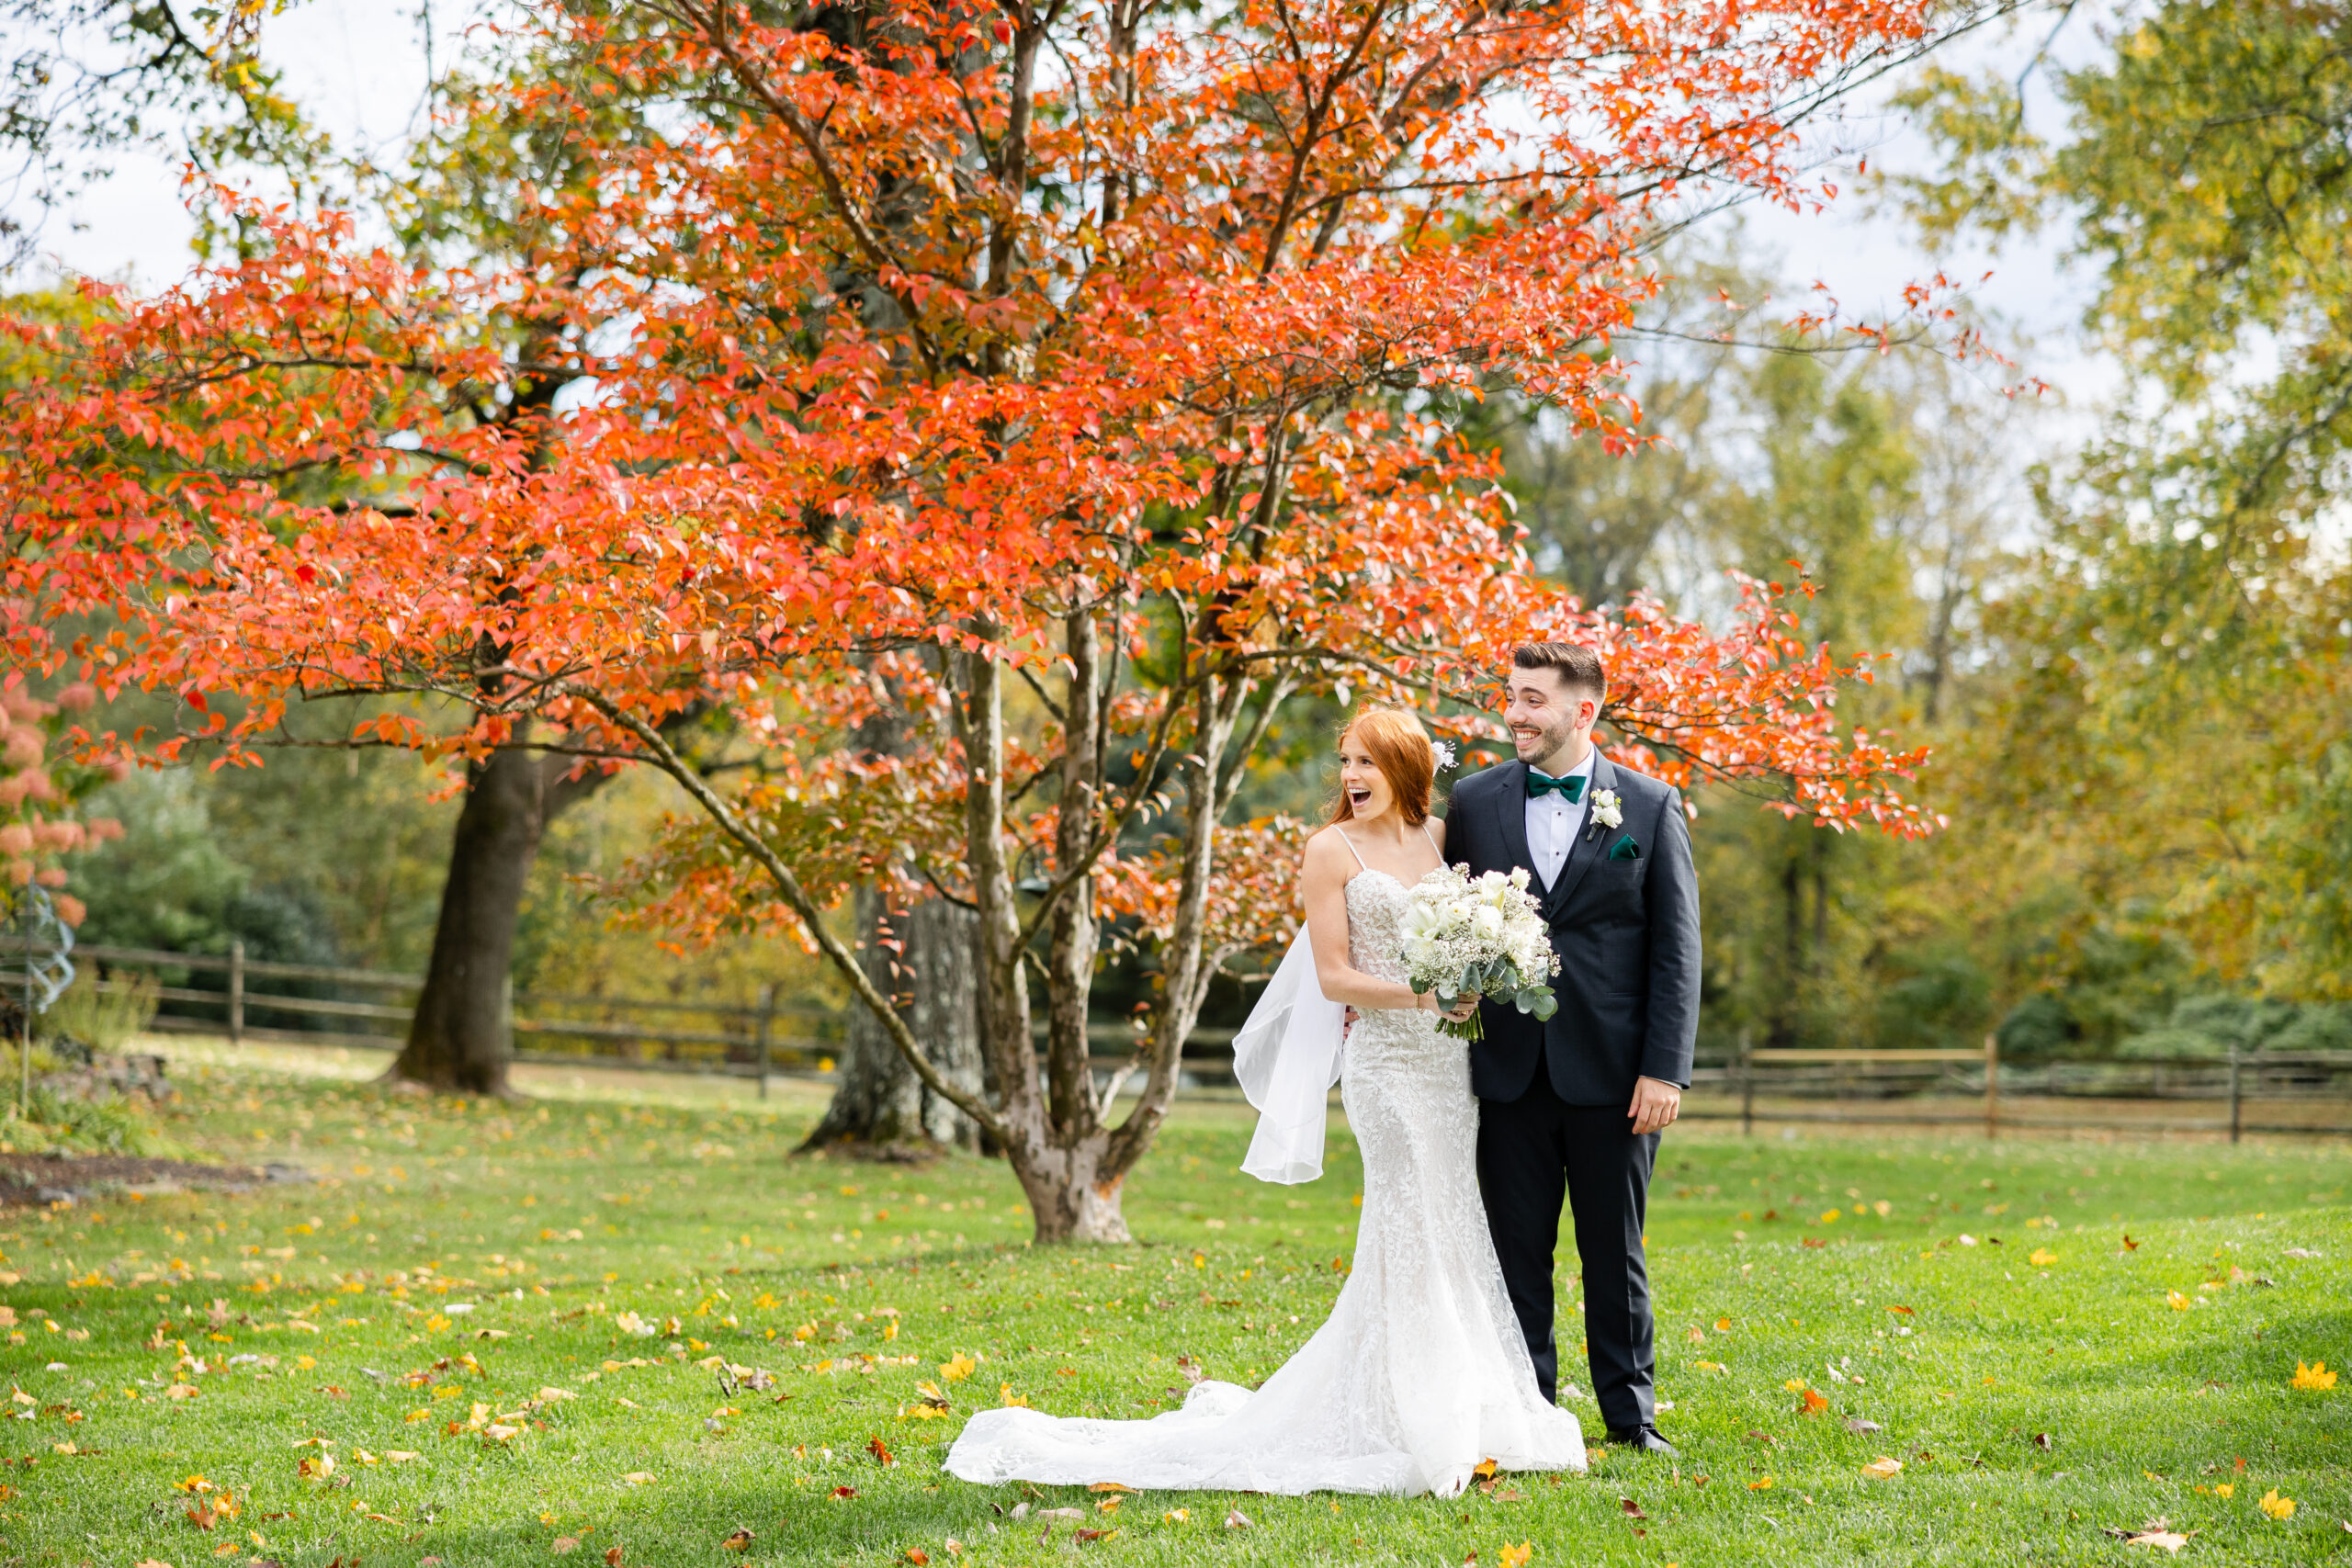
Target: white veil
<point>1287,1057</point>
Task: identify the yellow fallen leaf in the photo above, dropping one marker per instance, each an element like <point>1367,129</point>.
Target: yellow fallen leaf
<point>638,1478</point>
<point>958,1369</point>
<point>1884,1468</point>
<point>1723,1326</point>
<point>2041,1258</point>
<point>2178,1301</point>
<point>2313,1378</point>
<point>399,1456</point>
<point>1763,1485</point>
<point>499,1432</point>
<point>2274,1505</point>
<point>1516,1556</point>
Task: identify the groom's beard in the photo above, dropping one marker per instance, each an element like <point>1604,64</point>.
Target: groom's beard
<point>1548,751</point>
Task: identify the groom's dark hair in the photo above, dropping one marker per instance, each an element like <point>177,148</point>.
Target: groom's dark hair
<point>1577,667</point>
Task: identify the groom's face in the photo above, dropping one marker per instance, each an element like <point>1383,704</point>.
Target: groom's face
<point>1548,723</point>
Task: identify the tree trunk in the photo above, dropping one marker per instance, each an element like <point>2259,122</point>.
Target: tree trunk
<point>879,1101</point>
<point>459,1037</point>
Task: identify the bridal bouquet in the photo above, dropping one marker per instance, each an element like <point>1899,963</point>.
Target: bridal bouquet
<point>1481,936</point>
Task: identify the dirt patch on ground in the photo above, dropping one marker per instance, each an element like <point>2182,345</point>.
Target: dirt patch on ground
<point>50,1178</point>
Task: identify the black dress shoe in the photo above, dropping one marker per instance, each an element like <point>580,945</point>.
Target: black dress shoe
<point>1644,1439</point>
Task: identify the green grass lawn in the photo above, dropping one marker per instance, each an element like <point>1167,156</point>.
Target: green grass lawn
<point>453,1264</point>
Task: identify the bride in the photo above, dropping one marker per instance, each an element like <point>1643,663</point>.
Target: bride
<point>1420,1373</point>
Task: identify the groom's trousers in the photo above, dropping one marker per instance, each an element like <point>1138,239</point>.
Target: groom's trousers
<point>1532,1151</point>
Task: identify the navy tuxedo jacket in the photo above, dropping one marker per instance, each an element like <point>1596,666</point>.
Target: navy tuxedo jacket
<point>1626,930</point>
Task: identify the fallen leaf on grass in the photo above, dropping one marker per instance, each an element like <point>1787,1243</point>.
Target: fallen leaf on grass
<point>1884,1468</point>
<point>1516,1556</point>
<point>842,1493</point>
<point>1765,1484</point>
<point>2171,1541</point>
<point>1812,1402</point>
<point>564,1544</point>
<point>2044,1441</point>
<point>738,1540</point>
<point>2274,1505</point>
<point>1860,1424</point>
<point>881,1452</point>
<point>1061,1514</point>
<point>957,1368</point>
<point>919,1557</point>
<point>2178,1301</point>
<point>1109,1486</point>
<point>2314,1378</point>
<point>1092,1535</point>
<point>612,1556</point>
<point>1236,1520</point>
<point>1178,1516</point>
<point>1632,1509</point>
<point>638,1478</point>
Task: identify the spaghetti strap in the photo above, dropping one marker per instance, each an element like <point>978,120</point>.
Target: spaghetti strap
<point>1433,839</point>
<point>1351,846</point>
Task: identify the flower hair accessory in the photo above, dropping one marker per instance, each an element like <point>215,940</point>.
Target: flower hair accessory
<point>1440,755</point>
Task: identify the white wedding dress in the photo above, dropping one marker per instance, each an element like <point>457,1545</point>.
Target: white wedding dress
<point>1421,1371</point>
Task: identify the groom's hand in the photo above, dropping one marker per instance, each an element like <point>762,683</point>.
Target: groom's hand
<point>1655,1105</point>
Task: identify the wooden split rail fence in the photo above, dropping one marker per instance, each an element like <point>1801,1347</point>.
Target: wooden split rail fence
<point>1920,1086</point>
<point>1861,1083</point>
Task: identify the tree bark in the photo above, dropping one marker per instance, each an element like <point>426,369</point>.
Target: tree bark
<point>459,1037</point>
<point>878,1100</point>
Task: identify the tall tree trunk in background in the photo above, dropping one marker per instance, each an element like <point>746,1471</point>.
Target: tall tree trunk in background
<point>459,1037</point>
<point>878,1100</point>
<point>1783,1032</point>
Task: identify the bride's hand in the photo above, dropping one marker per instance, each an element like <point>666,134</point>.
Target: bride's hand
<point>1459,1012</point>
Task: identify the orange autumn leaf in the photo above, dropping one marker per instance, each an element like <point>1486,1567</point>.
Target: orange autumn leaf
<point>1812,1402</point>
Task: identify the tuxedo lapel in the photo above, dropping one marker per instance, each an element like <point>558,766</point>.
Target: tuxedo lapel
<point>1510,815</point>
<point>1587,847</point>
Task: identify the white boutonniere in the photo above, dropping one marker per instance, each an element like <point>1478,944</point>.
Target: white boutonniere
<point>1607,809</point>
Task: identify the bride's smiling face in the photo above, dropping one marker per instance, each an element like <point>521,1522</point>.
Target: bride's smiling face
<point>1360,780</point>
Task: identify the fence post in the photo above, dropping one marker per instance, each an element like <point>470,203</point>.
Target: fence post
<point>1992,1086</point>
<point>768,1031</point>
<point>1747,1086</point>
<point>2235,1098</point>
<point>237,991</point>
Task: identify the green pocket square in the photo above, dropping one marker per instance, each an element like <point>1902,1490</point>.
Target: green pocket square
<point>1625,849</point>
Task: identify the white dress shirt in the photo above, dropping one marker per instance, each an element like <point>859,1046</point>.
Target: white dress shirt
<point>1553,824</point>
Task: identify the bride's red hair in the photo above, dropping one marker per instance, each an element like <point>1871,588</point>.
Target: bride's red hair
<point>1401,750</point>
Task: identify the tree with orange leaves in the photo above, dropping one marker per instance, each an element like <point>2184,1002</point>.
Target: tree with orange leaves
<point>1083,368</point>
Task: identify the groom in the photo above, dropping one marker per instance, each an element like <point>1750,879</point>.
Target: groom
<point>1574,1105</point>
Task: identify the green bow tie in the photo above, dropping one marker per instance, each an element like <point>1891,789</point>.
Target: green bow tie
<point>1544,784</point>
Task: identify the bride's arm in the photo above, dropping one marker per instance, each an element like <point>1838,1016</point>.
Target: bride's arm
<point>1323,878</point>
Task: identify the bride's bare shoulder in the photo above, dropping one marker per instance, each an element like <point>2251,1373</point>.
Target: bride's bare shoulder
<point>1328,852</point>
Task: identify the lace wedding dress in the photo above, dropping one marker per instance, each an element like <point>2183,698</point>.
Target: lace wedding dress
<point>1419,1372</point>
